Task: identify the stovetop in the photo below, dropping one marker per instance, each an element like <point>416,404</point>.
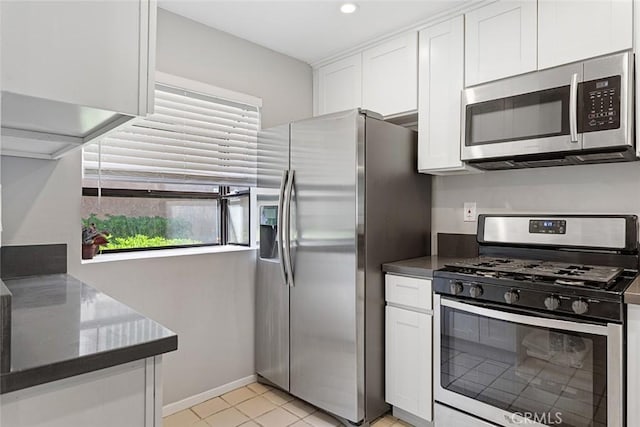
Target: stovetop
<point>569,289</point>
<point>574,266</point>
<point>569,274</point>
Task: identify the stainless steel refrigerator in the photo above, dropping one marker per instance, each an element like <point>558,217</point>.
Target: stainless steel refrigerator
<point>338,195</point>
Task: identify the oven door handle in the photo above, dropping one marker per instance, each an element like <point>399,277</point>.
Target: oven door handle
<point>573,108</point>
<point>528,320</point>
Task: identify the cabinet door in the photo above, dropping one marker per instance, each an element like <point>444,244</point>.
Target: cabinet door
<point>118,396</point>
<point>390,76</point>
<point>408,361</point>
<point>500,40</point>
<point>92,53</point>
<point>339,85</point>
<point>441,81</point>
<point>607,26</point>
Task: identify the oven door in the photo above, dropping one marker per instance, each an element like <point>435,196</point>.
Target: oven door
<point>534,113</point>
<point>514,369</point>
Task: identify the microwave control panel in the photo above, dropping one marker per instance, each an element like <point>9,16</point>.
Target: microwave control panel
<point>600,102</point>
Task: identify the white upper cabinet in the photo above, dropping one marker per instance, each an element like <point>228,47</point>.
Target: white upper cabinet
<point>441,79</point>
<point>390,76</point>
<point>94,53</point>
<point>383,79</point>
<point>570,31</point>
<point>339,85</point>
<point>501,40</point>
<point>73,71</point>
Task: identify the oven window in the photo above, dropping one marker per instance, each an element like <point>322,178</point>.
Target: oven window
<point>552,376</point>
<point>533,115</point>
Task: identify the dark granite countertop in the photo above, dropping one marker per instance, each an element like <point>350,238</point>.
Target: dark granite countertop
<point>61,327</point>
<point>632,294</point>
<point>419,267</point>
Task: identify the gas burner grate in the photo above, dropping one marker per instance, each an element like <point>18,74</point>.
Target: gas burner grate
<point>539,271</point>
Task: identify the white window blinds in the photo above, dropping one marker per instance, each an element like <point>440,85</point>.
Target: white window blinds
<point>191,138</point>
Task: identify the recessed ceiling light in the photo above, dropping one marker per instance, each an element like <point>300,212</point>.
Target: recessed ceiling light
<point>348,8</point>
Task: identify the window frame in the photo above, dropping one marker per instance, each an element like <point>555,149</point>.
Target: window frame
<point>223,202</point>
<point>224,193</point>
<point>223,196</point>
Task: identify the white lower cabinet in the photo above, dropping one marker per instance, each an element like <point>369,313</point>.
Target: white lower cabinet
<point>128,395</point>
<point>409,353</point>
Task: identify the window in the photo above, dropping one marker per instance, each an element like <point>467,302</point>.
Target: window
<point>179,177</point>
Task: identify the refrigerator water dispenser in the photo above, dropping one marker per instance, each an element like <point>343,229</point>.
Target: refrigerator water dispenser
<point>268,232</point>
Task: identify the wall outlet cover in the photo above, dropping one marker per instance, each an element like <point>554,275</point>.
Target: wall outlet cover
<point>469,211</point>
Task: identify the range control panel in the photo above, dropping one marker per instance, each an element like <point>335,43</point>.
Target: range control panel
<point>548,226</point>
<point>600,104</point>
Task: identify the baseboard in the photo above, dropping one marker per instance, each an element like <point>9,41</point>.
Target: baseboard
<point>172,408</point>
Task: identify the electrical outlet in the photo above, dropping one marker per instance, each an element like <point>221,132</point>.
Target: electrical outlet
<point>469,211</point>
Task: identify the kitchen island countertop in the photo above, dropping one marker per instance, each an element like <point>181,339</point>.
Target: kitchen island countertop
<point>62,327</point>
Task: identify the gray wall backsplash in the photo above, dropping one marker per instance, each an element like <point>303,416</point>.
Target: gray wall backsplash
<point>32,260</point>
<point>612,188</point>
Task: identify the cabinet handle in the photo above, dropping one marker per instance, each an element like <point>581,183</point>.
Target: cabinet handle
<point>400,285</point>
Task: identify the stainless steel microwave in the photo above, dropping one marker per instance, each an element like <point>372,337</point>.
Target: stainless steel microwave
<point>573,114</point>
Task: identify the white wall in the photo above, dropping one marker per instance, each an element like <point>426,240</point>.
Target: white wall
<point>207,299</point>
<point>599,189</point>
<point>193,50</point>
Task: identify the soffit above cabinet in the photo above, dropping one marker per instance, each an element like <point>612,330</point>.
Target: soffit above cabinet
<point>46,129</point>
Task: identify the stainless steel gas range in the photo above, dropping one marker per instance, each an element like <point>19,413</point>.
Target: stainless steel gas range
<point>532,331</point>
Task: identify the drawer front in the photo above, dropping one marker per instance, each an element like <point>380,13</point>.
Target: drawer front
<point>409,291</point>
<point>448,417</point>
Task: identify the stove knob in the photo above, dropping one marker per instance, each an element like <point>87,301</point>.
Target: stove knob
<point>580,306</point>
<point>552,303</point>
<point>456,288</point>
<point>511,297</point>
<point>475,291</point>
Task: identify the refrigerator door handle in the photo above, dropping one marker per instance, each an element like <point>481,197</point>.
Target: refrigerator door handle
<point>287,228</point>
<point>280,224</point>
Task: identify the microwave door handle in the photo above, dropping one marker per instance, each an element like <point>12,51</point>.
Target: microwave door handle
<point>573,108</point>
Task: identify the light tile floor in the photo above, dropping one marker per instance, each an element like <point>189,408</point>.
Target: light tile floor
<point>257,405</point>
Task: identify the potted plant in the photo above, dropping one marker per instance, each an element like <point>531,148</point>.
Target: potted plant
<point>92,239</point>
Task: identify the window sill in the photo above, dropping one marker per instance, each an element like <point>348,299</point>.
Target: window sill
<point>165,253</point>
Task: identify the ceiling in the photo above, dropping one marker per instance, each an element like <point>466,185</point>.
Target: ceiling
<point>309,30</point>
